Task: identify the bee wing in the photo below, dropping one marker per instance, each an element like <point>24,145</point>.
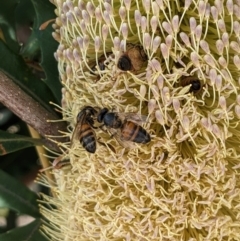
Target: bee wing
<point>117,135</point>
<point>77,129</point>
<point>134,117</point>
<point>106,145</point>
<point>76,133</point>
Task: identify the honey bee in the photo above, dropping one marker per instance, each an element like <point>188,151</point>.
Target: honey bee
<point>100,63</point>
<point>133,59</point>
<point>57,163</point>
<point>124,126</point>
<point>195,83</point>
<point>84,129</point>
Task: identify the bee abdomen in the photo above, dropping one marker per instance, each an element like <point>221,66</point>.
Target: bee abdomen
<point>142,136</point>
<point>89,143</point>
<point>135,133</point>
<point>87,139</point>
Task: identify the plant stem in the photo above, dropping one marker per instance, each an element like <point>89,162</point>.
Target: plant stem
<point>30,111</point>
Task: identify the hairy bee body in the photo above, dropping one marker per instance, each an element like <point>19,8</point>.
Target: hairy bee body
<point>87,138</point>
<point>135,133</point>
<point>124,126</point>
<point>133,59</point>
<point>84,129</point>
<point>127,130</point>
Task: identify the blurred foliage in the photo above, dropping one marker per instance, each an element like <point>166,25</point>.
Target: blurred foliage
<point>29,61</point>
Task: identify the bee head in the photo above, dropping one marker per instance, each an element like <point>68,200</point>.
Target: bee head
<point>87,111</point>
<point>101,115</point>
<point>124,63</point>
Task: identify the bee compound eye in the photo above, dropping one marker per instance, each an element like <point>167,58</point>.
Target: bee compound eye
<point>124,63</point>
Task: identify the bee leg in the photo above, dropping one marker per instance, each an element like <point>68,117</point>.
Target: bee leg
<point>112,135</point>
<point>91,122</point>
<point>107,145</point>
<point>102,127</point>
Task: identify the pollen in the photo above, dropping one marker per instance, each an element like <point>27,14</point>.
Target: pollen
<point>181,73</point>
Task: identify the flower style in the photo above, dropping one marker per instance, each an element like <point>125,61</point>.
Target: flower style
<point>176,62</point>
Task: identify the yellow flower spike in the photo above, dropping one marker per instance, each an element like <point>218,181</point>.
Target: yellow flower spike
<point>182,185</point>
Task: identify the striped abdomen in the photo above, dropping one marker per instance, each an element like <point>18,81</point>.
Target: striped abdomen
<point>87,138</point>
<point>135,133</point>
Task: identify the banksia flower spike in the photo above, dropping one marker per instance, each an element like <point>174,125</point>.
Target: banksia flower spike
<point>176,62</point>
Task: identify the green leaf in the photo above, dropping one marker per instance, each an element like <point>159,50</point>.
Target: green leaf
<point>16,196</point>
<point>31,49</point>
<point>29,232</point>
<point>12,142</point>
<point>14,66</point>
<point>24,12</point>
<point>7,23</point>
<point>44,12</point>
<point>24,17</point>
